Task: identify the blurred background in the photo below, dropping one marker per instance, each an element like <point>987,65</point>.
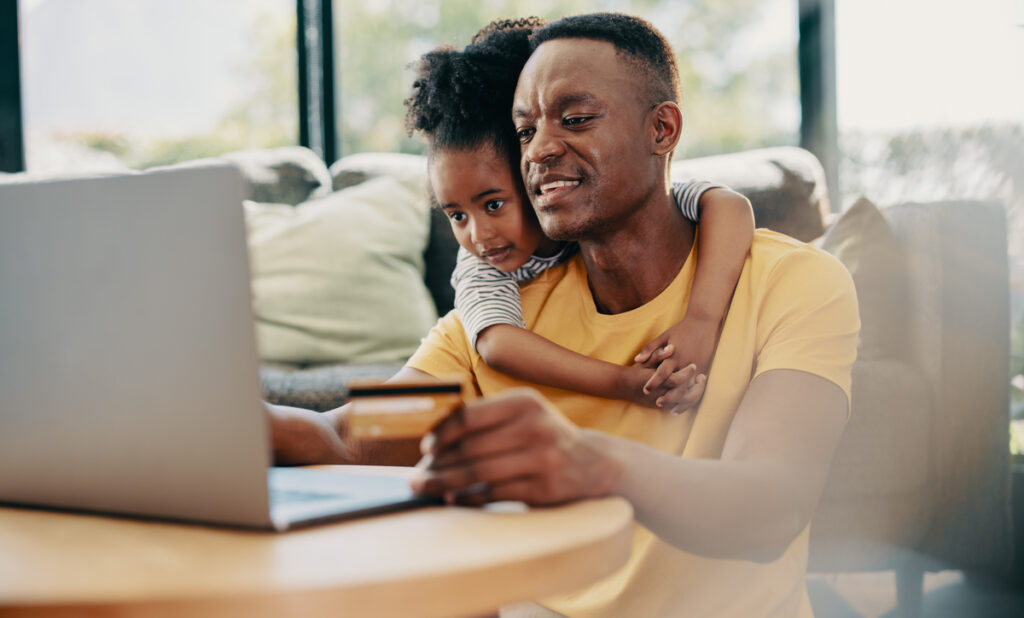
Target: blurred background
<point>928,94</point>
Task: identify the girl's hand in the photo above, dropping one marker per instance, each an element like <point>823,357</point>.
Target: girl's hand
<point>632,380</point>
<point>681,356</point>
<point>677,390</point>
<point>690,341</point>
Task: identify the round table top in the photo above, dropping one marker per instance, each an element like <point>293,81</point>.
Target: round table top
<point>434,561</point>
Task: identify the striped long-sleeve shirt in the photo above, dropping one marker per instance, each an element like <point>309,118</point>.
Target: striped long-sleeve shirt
<point>485,296</point>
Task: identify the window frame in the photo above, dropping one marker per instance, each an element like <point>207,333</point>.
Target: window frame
<point>318,128</point>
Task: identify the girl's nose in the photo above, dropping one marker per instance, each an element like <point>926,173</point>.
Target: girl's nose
<point>480,231</point>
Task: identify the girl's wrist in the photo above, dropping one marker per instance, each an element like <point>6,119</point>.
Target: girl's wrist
<point>623,386</point>
<point>704,315</point>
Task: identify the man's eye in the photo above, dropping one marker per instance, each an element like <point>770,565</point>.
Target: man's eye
<point>575,121</point>
<point>524,135</point>
<point>457,217</point>
<point>493,205</point>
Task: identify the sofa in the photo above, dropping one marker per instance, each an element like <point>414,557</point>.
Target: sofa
<point>921,477</point>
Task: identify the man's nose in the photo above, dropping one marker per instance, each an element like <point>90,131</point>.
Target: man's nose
<point>543,146</point>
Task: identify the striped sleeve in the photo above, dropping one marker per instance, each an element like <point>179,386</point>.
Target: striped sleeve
<point>484,296</point>
<point>688,194</point>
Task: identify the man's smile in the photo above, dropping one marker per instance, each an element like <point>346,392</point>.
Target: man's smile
<point>551,189</point>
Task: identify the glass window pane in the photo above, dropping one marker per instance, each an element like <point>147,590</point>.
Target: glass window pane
<point>737,59</point>
<point>109,84</point>
<point>930,107</point>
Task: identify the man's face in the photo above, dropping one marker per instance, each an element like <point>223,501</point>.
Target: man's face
<point>581,114</point>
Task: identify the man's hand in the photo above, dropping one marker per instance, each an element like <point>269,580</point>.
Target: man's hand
<point>307,437</point>
<point>515,446</point>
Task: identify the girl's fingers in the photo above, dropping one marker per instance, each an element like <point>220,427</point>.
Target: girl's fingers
<point>661,374</point>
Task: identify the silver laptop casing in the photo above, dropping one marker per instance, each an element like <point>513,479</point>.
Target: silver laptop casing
<point>128,367</point>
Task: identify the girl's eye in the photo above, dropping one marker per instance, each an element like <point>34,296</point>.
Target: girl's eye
<point>493,205</point>
<point>457,217</point>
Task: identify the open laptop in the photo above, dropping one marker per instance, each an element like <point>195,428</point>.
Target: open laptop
<point>128,367</point>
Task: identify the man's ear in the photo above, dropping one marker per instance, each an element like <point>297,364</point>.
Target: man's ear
<point>667,121</point>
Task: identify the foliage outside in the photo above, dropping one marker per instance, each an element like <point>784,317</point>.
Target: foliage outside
<point>731,102</point>
<point>265,116</point>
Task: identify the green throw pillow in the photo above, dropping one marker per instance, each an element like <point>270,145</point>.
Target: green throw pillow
<point>340,279</point>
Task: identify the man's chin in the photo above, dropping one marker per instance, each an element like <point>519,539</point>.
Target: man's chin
<point>565,229</point>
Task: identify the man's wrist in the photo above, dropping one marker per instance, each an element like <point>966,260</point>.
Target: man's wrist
<point>609,469</point>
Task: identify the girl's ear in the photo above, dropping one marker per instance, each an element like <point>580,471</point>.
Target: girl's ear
<point>667,127</point>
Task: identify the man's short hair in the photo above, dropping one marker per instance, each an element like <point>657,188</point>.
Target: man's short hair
<point>635,39</point>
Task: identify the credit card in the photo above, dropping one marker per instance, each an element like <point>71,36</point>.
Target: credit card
<point>403,410</point>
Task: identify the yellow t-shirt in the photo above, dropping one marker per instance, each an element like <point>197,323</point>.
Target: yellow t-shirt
<point>794,308</point>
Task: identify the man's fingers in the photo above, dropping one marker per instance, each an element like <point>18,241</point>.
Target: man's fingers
<point>512,435</point>
<point>518,490</point>
<point>492,470</point>
<point>478,415</point>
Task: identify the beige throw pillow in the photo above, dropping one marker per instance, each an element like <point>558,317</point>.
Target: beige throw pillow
<point>340,278</point>
<point>863,241</point>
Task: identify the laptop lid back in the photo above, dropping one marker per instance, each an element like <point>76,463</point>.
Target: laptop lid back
<point>128,368</point>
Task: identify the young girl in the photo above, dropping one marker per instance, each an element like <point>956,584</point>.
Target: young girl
<point>461,102</point>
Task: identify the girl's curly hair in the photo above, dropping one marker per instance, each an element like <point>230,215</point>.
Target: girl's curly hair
<point>462,99</point>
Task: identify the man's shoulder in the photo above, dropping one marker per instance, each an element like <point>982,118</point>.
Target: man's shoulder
<point>771,251</point>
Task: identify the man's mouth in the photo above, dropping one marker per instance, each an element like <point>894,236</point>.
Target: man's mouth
<point>553,190</point>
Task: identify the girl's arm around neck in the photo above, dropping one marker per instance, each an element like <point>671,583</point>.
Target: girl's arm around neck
<point>528,356</point>
<point>726,233</point>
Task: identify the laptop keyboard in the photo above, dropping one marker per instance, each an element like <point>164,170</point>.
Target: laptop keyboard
<point>294,496</point>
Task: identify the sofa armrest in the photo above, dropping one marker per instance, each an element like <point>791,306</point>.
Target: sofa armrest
<point>785,185</point>
<point>958,299</point>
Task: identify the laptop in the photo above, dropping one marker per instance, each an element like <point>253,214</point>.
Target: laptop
<point>128,367</point>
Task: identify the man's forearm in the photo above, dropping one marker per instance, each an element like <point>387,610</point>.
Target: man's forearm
<point>725,509</point>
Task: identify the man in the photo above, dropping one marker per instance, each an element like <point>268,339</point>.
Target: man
<point>723,495</point>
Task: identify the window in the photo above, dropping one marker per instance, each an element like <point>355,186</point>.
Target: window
<point>737,60</point>
<point>930,107</point>
<point>109,84</point>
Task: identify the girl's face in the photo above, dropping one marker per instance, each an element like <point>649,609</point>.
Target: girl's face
<point>482,194</point>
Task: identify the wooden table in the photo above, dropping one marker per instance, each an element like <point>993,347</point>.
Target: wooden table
<point>436,561</point>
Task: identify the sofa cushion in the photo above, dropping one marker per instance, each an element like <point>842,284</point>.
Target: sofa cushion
<point>442,248</point>
<point>340,278</point>
<point>320,388</point>
<point>785,185</point>
<point>354,169</point>
<point>287,175</point>
<point>864,243</point>
<point>877,493</point>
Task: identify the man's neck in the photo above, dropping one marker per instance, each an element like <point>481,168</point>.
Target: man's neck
<point>629,267</point>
